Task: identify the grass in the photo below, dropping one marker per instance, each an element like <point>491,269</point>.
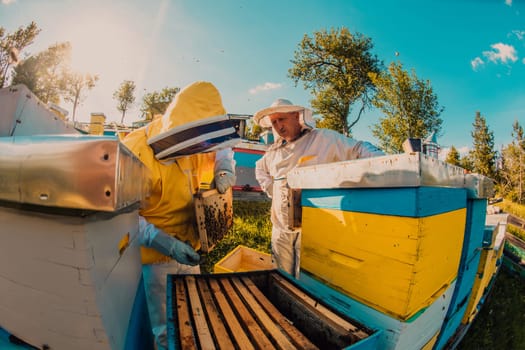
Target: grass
<point>516,210</point>
<point>512,208</point>
<point>251,227</point>
<point>499,324</point>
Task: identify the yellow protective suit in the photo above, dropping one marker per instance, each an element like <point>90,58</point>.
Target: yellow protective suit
<point>174,182</point>
<point>170,204</point>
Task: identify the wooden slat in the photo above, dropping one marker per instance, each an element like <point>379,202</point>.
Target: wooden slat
<point>236,329</point>
<point>272,328</point>
<point>515,241</point>
<point>258,336</point>
<point>319,308</point>
<point>516,221</point>
<point>185,328</point>
<point>201,325</point>
<point>297,337</point>
<point>220,332</point>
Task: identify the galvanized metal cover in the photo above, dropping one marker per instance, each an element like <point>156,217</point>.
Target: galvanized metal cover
<point>399,170</point>
<point>69,171</point>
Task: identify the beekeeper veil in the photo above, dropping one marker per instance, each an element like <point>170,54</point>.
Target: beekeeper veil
<point>194,122</point>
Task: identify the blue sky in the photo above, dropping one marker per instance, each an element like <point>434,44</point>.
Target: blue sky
<point>473,52</point>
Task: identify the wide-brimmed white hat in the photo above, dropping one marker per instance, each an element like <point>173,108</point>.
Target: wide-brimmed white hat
<point>282,105</point>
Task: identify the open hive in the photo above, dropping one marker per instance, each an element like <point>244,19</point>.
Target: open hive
<point>249,310</point>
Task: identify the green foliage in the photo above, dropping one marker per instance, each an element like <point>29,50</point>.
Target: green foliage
<point>467,163</point>
<point>11,45</point>
<point>46,73</point>
<point>157,102</point>
<point>453,156</point>
<point>410,107</point>
<point>76,85</point>
<point>499,324</point>
<point>335,66</point>
<point>251,227</point>
<point>253,130</point>
<point>512,173</point>
<point>483,154</point>
<point>125,96</point>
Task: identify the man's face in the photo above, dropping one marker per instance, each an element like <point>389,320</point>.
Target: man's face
<point>286,124</point>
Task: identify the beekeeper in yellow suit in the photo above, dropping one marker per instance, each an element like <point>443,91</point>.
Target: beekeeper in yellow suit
<point>167,219</point>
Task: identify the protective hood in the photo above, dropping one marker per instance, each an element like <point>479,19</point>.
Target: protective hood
<point>194,122</point>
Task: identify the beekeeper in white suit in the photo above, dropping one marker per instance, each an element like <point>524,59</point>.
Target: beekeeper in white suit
<point>297,142</point>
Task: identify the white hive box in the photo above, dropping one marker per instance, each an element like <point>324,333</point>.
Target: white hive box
<point>69,250</point>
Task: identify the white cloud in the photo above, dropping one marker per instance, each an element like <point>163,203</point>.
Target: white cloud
<point>476,63</point>
<point>501,52</point>
<point>264,87</point>
<point>523,61</point>
<point>463,151</point>
<point>520,34</point>
<point>508,2</point>
<point>8,2</point>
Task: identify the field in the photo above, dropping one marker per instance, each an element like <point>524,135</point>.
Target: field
<point>499,325</point>
<point>251,227</point>
<point>501,321</point>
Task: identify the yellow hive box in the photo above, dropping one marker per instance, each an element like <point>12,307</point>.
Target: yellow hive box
<point>243,259</point>
<point>398,265</point>
<point>487,269</point>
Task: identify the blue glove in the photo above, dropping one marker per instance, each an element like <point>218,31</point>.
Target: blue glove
<point>224,180</point>
<point>172,247</point>
<point>155,238</point>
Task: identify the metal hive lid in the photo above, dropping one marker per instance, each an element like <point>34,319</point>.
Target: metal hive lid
<point>399,170</point>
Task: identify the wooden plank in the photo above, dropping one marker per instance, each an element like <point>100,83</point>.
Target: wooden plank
<point>320,309</point>
<point>220,332</point>
<point>272,328</point>
<point>201,325</point>
<point>294,208</point>
<point>186,338</point>
<point>515,241</point>
<point>516,221</point>
<point>296,336</point>
<point>236,329</point>
<point>258,335</point>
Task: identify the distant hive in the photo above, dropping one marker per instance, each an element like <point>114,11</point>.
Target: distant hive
<point>96,126</point>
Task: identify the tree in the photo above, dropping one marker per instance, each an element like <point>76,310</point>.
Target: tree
<point>76,85</point>
<point>483,154</point>
<point>125,96</point>
<point>335,65</point>
<point>467,163</point>
<point>453,156</point>
<point>45,73</point>
<point>11,45</point>
<point>157,102</point>
<point>410,107</point>
<point>253,131</point>
<point>512,174</point>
